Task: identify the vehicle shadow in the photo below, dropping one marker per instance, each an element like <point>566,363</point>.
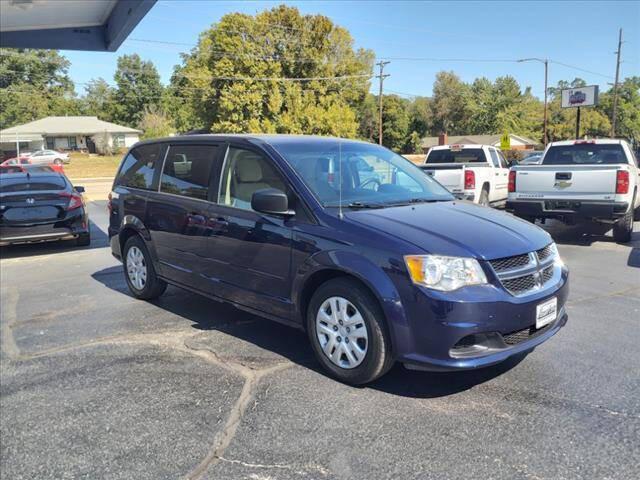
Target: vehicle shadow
<point>268,339</point>
<point>99,239</point>
<point>584,234</point>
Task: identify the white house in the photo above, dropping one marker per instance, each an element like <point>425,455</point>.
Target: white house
<point>67,133</point>
<point>517,142</point>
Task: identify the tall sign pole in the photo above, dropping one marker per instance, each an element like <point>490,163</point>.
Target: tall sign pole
<point>381,64</point>
<point>615,88</point>
<point>578,97</point>
<point>578,124</point>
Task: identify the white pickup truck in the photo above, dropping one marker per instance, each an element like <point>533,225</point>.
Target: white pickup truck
<point>478,173</point>
<point>581,180</point>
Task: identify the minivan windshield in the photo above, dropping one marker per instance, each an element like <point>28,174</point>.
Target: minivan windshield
<point>585,154</point>
<point>370,175</point>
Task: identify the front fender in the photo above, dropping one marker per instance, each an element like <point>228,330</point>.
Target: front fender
<point>370,274</point>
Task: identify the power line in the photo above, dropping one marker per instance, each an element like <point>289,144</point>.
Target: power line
<point>580,69</point>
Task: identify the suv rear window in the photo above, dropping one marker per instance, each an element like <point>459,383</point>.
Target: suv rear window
<point>466,155</point>
<point>24,183</point>
<point>138,167</point>
<point>585,154</point>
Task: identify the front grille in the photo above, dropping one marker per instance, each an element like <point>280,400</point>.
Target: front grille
<point>524,273</point>
<point>519,285</point>
<point>525,334</point>
<point>544,253</point>
<point>509,263</point>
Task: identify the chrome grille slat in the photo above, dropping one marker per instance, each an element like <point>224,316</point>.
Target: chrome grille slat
<point>525,273</point>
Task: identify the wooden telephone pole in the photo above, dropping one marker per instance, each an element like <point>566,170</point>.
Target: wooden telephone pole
<point>615,88</point>
<point>381,64</point>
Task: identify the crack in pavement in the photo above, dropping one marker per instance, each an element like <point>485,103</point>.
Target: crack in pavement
<point>175,339</point>
<point>299,469</point>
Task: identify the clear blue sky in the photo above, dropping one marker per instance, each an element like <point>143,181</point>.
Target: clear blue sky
<point>582,33</point>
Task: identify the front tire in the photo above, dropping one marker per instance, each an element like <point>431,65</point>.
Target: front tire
<point>139,273</point>
<point>57,161</point>
<point>347,331</point>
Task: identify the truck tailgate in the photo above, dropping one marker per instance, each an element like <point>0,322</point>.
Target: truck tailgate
<point>451,176</point>
<point>579,182</point>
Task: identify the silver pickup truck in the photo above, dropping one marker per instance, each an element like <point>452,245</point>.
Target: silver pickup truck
<point>582,180</point>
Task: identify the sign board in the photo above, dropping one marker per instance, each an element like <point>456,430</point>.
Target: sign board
<point>505,142</point>
<point>580,97</point>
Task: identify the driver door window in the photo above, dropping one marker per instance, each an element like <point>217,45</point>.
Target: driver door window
<point>244,173</point>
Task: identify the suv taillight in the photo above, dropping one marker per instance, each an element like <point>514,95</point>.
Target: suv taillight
<point>75,200</point>
<point>512,181</point>
<point>622,182</point>
<point>469,180</point>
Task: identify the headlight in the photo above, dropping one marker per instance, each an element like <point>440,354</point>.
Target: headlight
<point>444,273</point>
<point>556,255</point>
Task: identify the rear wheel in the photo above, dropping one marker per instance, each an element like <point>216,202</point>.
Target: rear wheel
<point>139,272</point>
<point>623,228</point>
<point>484,198</point>
<point>57,161</point>
<point>347,332</point>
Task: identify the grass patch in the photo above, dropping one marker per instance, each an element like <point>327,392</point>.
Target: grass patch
<point>85,166</point>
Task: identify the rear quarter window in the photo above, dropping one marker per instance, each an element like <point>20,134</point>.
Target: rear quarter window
<point>187,170</point>
<point>138,167</point>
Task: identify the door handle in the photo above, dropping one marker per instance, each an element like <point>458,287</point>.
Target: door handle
<point>218,224</point>
<point>563,176</point>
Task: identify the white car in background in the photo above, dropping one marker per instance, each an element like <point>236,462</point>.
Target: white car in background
<point>477,173</point>
<point>46,157</point>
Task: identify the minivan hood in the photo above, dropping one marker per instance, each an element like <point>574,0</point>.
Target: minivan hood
<point>456,229</point>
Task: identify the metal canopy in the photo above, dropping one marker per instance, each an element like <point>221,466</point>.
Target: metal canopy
<point>96,25</point>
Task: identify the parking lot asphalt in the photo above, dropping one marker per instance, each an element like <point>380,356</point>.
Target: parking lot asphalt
<point>95,384</point>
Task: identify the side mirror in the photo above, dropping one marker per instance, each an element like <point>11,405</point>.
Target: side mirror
<point>272,201</point>
<point>79,189</point>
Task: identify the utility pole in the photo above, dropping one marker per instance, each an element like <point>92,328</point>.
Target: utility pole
<point>546,76</point>
<point>615,88</point>
<point>381,64</point>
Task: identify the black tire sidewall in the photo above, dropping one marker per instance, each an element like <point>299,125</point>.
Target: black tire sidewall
<point>484,198</point>
<point>154,286</point>
<point>623,228</point>
<point>378,358</point>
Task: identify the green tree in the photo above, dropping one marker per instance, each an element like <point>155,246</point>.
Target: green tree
<point>395,122</point>
<point>449,104</point>
<point>138,87</point>
<point>34,84</point>
<point>155,123</point>
<point>415,143</point>
<point>420,120</point>
<point>222,80</point>
<point>98,99</point>
<point>628,113</point>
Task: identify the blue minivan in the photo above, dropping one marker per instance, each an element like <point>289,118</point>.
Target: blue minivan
<point>375,260</point>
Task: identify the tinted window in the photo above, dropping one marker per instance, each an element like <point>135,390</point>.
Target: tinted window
<point>467,155</point>
<point>22,183</point>
<point>503,161</point>
<point>585,154</point>
<point>244,173</point>
<point>187,170</point>
<point>138,167</point>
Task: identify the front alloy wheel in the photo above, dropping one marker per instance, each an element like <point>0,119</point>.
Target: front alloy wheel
<point>341,332</point>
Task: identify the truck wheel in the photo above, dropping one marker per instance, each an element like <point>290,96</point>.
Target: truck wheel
<point>139,272</point>
<point>623,228</point>
<point>83,240</point>
<point>347,331</point>
<point>484,198</point>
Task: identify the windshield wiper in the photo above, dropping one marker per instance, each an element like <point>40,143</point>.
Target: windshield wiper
<point>364,205</point>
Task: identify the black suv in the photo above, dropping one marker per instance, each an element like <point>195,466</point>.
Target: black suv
<point>345,239</point>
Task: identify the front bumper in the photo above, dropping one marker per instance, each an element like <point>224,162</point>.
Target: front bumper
<point>568,209</point>
<point>438,323</point>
